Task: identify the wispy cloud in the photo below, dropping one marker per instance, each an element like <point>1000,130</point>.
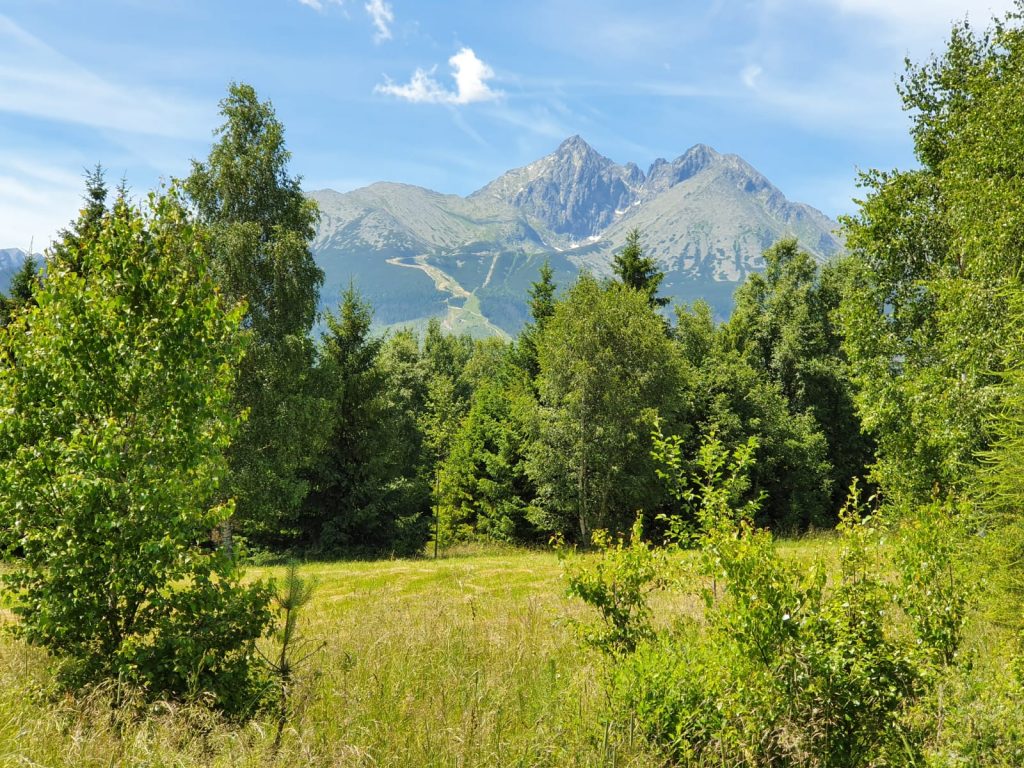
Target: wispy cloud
<point>469,72</point>
<point>382,17</point>
<point>36,199</point>
<point>381,14</point>
<point>750,74</point>
<point>38,81</point>
<point>318,5</point>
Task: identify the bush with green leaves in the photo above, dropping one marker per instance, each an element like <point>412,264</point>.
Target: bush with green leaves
<point>784,668</point>
<point>618,585</point>
<point>115,392</point>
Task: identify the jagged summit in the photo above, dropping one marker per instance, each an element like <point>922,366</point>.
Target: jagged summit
<point>664,175</point>
<point>575,191</point>
<point>576,145</point>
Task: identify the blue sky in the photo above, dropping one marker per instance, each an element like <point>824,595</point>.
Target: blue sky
<point>449,94</point>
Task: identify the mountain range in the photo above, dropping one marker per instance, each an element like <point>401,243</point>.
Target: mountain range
<point>413,253</point>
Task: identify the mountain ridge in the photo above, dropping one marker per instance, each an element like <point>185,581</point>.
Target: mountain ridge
<point>11,260</point>
<point>705,216</point>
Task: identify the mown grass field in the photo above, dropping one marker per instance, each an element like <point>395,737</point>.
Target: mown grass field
<point>470,660</point>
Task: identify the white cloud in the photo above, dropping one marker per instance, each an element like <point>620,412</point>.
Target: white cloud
<point>37,80</point>
<point>750,74</point>
<point>382,17</point>
<point>470,75</point>
<point>318,5</point>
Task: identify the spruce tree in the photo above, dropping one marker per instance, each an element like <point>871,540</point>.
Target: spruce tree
<point>637,271</point>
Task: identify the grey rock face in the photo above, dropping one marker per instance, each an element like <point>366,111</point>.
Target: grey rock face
<point>574,191</point>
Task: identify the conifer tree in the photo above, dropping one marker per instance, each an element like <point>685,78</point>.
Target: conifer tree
<point>637,271</point>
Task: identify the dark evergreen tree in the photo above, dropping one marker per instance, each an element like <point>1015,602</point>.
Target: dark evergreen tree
<point>542,307</point>
<point>484,489</point>
<point>637,271</point>
<point>23,285</point>
<point>73,240</point>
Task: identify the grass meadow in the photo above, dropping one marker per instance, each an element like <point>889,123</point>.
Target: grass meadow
<point>469,660</point>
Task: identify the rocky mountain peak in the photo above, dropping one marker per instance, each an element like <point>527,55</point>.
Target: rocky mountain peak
<point>664,175</point>
<point>576,146</point>
<point>575,191</point>
<point>706,218</point>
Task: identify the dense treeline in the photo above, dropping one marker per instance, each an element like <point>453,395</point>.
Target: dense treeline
<point>903,358</point>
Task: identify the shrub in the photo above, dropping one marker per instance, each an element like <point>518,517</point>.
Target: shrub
<point>114,418</point>
<point>785,669</point>
<point>617,585</point>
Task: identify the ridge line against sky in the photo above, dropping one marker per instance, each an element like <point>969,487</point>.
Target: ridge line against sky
<point>449,94</point>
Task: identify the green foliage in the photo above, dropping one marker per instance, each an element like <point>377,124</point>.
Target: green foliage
<point>939,251</point>
<point>355,504</point>
<point>483,487</point>
<point>115,395</point>
<point>542,308</point>
<point>787,669</point>
<point>23,285</point>
<point>74,242</point>
<point>637,271</point>
<point>618,585</point>
<point>290,599</point>
<point>782,326</point>
<point>732,397</point>
<point>929,558</point>
<point>407,493</point>
<point>607,369</point>
<point>260,225</point>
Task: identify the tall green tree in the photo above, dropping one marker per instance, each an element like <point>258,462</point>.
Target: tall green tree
<point>542,307</point>
<point>783,327</point>
<point>355,503</point>
<point>77,238</point>
<point>260,225</point>
<point>484,488</point>
<point>939,256</point>
<point>405,402</point>
<point>607,370</point>
<point>117,415</point>
<point>638,271</point>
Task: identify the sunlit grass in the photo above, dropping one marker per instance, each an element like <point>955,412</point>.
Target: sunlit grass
<point>469,660</point>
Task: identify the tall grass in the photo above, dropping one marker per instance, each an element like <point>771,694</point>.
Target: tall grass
<point>468,661</point>
<point>471,660</point>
